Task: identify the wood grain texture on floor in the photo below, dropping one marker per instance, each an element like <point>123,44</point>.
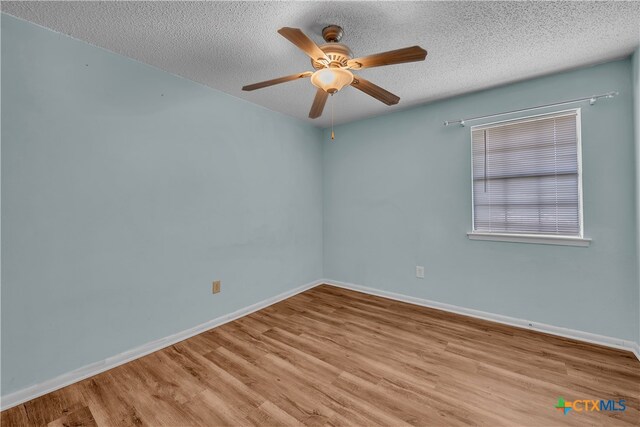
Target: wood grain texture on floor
<point>330,356</point>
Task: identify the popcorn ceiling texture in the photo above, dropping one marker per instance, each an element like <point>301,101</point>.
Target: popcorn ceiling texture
<point>471,45</point>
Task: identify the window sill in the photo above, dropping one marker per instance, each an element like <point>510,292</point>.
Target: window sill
<point>530,238</point>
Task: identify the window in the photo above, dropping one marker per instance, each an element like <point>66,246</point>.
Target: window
<point>526,180</point>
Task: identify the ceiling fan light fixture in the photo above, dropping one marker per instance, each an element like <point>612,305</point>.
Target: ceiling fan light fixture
<point>331,80</point>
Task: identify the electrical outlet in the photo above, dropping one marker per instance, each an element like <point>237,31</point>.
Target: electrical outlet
<point>215,288</point>
<point>419,272</point>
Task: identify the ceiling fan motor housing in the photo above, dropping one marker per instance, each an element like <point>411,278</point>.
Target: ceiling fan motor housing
<point>337,52</point>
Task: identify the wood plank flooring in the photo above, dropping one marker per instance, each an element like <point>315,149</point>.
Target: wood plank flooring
<point>331,356</point>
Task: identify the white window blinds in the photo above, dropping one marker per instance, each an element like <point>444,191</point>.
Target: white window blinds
<point>526,176</point>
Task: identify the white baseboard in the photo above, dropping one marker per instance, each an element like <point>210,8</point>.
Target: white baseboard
<point>92,369</point>
<point>512,321</point>
<point>636,350</point>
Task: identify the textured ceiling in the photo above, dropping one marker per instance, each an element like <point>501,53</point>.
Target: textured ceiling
<point>471,45</point>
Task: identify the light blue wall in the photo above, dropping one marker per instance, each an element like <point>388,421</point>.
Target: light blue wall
<point>397,193</point>
<point>126,191</point>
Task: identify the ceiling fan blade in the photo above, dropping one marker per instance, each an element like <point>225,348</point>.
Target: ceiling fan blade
<point>277,81</point>
<point>374,90</point>
<point>318,104</point>
<point>399,56</point>
<point>300,39</point>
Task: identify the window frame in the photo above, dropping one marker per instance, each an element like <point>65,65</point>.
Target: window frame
<point>548,239</point>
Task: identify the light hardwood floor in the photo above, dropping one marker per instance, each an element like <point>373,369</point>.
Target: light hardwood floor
<point>330,356</point>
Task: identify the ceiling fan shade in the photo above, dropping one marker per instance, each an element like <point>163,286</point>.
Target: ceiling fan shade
<point>331,80</point>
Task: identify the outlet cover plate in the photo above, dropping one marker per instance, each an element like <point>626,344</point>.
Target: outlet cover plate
<point>215,288</point>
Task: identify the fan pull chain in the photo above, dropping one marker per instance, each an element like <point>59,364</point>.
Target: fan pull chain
<point>333,136</point>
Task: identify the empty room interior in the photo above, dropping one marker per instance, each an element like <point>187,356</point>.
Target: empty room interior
<point>320,213</point>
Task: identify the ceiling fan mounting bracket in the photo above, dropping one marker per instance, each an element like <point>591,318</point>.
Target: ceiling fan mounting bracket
<point>332,33</point>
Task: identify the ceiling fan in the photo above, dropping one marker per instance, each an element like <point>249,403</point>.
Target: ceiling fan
<point>333,62</point>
